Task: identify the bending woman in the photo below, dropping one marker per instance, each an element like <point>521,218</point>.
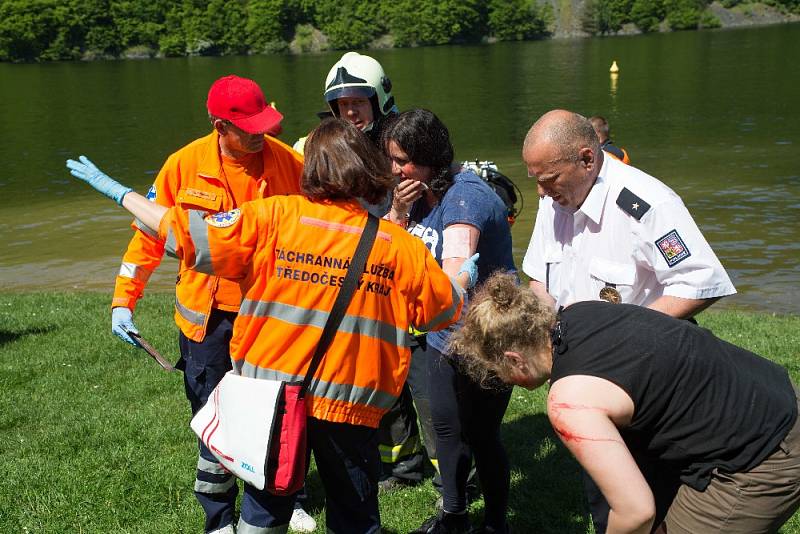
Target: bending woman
<point>629,383</point>
<point>290,253</point>
<point>455,214</point>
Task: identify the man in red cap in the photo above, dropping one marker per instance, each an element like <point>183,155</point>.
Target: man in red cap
<point>233,164</point>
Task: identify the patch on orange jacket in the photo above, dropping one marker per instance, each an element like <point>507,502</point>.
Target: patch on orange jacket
<point>223,219</point>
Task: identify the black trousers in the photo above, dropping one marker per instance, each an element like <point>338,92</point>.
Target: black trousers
<point>398,436</point>
<point>466,420</point>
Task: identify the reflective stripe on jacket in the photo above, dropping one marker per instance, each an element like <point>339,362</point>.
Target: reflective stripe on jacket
<point>291,256</point>
<point>192,178</point>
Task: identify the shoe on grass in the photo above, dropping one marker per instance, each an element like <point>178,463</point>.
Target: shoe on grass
<point>227,529</point>
<point>445,523</point>
<point>301,521</point>
<point>392,483</point>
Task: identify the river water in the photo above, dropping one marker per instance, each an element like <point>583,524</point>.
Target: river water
<point>714,114</point>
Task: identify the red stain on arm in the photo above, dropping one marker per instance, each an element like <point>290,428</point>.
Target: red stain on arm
<point>569,434</point>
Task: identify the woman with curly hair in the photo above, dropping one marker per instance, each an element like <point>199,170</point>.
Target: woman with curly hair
<point>682,431</point>
<point>456,214</point>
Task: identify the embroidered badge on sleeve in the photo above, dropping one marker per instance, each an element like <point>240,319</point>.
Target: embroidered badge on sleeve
<point>673,248</point>
<point>151,193</point>
<point>223,219</point>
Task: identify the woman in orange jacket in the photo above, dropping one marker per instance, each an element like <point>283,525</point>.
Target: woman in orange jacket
<point>290,254</point>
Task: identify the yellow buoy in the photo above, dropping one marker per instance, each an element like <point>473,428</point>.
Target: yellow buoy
<point>614,69</point>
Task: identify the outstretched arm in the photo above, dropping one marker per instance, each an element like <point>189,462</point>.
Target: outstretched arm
<point>149,213</point>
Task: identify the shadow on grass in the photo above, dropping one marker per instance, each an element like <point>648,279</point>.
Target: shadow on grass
<point>7,336</point>
<point>546,490</point>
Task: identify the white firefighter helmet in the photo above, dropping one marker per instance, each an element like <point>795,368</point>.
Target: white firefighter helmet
<point>357,75</point>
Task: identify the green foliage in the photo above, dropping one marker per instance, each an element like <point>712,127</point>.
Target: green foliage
<point>137,23</point>
<point>709,20</point>
<point>515,20</point>
<point>348,23</point>
<point>226,21</point>
<point>683,14</point>
<point>647,14</point>
<point>37,29</point>
<point>265,25</point>
<point>605,16</point>
<point>422,22</point>
<point>589,21</point>
<point>44,30</point>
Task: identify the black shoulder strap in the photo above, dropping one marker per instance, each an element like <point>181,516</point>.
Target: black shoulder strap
<point>344,297</point>
<point>632,204</point>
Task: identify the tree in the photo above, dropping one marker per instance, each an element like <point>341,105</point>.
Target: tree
<point>348,23</point>
<point>266,23</point>
<point>515,20</point>
<point>647,14</point>
<point>683,14</point>
<point>421,22</point>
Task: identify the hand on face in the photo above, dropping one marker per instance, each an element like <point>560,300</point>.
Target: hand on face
<point>406,193</point>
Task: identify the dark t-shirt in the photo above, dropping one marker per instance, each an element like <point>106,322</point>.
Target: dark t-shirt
<point>700,403</point>
<point>471,201</point>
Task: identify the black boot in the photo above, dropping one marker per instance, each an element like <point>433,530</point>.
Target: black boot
<point>445,523</point>
<point>487,529</point>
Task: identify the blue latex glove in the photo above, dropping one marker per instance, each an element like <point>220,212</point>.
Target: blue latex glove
<point>470,266</point>
<point>123,317</point>
<point>88,172</point>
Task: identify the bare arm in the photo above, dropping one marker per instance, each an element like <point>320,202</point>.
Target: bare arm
<point>149,213</point>
<point>452,265</point>
<point>541,293</point>
<point>679,307</point>
<point>585,412</point>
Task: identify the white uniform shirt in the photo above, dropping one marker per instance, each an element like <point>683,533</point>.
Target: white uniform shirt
<point>601,244</point>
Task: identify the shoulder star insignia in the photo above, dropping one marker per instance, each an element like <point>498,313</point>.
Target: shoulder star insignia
<point>632,204</point>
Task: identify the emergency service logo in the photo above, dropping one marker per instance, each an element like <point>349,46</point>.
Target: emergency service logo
<point>223,219</point>
<point>673,248</point>
<point>151,193</point>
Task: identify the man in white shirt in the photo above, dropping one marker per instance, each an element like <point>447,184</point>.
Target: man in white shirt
<point>608,231</point>
<point>606,227</point>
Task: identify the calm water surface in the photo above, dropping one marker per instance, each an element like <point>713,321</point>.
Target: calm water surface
<point>714,114</point>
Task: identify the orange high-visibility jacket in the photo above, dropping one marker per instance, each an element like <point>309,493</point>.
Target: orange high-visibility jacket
<point>192,178</point>
<point>291,255</point>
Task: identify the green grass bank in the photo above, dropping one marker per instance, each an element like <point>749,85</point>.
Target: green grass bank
<point>94,436</point>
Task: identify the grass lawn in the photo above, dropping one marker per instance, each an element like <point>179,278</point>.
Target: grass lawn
<point>94,436</point>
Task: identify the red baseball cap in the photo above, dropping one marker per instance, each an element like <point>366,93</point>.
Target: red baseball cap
<point>241,101</point>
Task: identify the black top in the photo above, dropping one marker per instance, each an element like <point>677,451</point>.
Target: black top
<point>609,146</point>
<point>699,402</point>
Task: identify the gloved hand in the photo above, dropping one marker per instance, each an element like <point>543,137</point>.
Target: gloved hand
<point>123,317</point>
<point>87,171</point>
<point>470,266</point>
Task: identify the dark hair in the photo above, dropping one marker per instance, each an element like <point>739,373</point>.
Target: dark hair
<point>426,141</point>
<point>342,163</point>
